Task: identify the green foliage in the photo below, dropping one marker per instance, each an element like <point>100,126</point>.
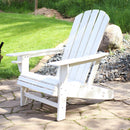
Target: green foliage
<point>24,32</point>
<point>68,8</point>
<point>118,10</point>
<point>17,6</point>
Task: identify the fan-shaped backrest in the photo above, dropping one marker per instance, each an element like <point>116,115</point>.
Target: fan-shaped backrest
<point>85,37</point>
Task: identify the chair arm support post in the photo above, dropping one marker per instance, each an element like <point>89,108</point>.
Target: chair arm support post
<point>93,72</point>
<point>24,63</point>
<point>23,57</point>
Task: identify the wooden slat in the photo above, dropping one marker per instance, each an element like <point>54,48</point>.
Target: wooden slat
<point>80,34</point>
<point>85,41</point>
<point>84,69</point>
<point>95,40</point>
<point>37,88</point>
<point>52,80</point>
<point>43,100</point>
<point>39,83</point>
<point>16,62</point>
<point>37,52</point>
<point>89,44</point>
<point>72,36</point>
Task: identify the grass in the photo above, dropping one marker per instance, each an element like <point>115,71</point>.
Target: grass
<point>118,10</point>
<point>24,32</point>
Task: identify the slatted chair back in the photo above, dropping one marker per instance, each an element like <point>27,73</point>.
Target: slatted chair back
<point>85,37</point>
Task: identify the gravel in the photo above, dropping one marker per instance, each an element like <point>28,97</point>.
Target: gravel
<point>115,67</point>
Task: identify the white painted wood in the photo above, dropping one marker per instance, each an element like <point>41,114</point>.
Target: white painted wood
<point>62,92</point>
<point>43,100</point>
<point>72,36</point>
<point>24,65</point>
<point>93,72</point>
<point>77,61</point>
<point>38,52</point>
<point>80,34</point>
<point>23,99</point>
<point>99,35</point>
<point>23,57</point>
<point>95,92</point>
<point>37,88</point>
<point>38,83</point>
<point>17,62</point>
<point>51,80</point>
<point>80,52</point>
<point>84,43</point>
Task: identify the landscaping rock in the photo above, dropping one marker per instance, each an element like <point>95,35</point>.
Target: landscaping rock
<point>112,38</point>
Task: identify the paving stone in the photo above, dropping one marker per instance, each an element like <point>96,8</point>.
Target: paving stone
<point>98,114</point>
<point>10,103</point>
<point>127,101</point>
<point>30,118</point>
<point>44,113</point>
<point>81,108</point>
<point>29,126</point>
<point>81,114</point>
<point>48,109</point>
<point>5,110</point>
<point>1,92</point>
<point>5,126</point>
<point>118,108</point>
<point>76,111</point>
<point>9,82</point>
<point>121,90</point>
<point>90,111</point>
<point>4,123</point>
<point>105,124</point>
<point>63,125</point>
<point>2,99</point>
<point>9,86</point>
<point>3,120</point>
<point>9,96</point>
<point>73,115</point>
<point>17,95</point>
<point>22,108</point>
<point>36,105</point>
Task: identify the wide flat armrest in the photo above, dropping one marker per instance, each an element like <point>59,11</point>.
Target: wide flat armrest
<point>81,60</point>
<point>38,52</point>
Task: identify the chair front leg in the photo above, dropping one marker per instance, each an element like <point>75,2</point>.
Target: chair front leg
<point>62,92</point>
<point>61,110</point>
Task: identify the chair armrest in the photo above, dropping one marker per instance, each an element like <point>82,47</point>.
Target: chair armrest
<point>37,52</point>
<point>23,57</point>
<point>81,60</point>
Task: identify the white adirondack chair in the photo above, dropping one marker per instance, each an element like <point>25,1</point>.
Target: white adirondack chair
<point>79,54</point>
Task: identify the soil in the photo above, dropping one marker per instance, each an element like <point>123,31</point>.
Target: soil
<point>51,13</point>
<point>1,11</point>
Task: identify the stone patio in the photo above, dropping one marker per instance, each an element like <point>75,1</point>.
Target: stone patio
<point>81,114</point>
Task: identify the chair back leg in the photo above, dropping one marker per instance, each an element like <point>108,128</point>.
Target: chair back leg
<point>23,99</point>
